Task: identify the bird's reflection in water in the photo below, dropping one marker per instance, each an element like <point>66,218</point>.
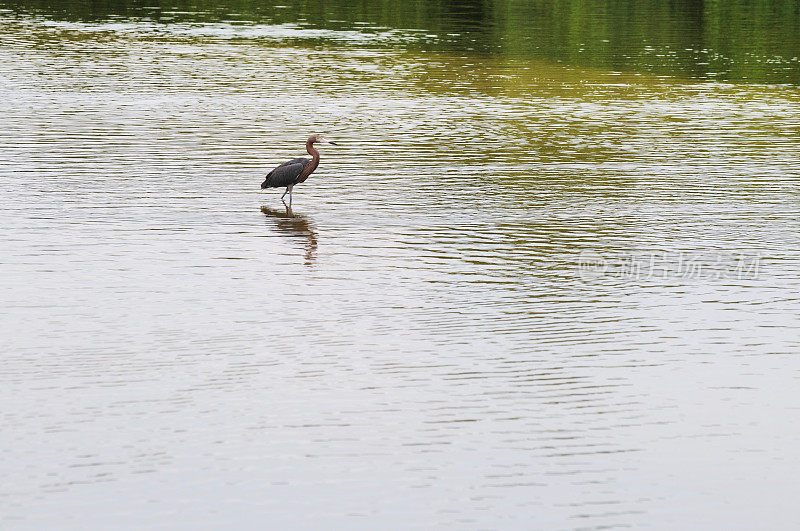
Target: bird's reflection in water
<point>296,227</point>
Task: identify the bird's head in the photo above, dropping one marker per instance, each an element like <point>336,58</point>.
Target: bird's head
<point>318,139</point>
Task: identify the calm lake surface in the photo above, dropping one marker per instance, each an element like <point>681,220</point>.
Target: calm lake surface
<point>549,279</point>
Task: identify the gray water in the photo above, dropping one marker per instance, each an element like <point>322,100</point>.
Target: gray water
<point>518,294</point>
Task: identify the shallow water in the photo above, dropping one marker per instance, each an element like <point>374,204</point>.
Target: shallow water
<point>518,294</point>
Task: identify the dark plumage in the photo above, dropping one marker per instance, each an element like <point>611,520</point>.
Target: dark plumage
<point>285,174</point>
<point>297,170</point>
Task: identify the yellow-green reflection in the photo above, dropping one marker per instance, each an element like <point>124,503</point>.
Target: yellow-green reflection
<point>733,40</point>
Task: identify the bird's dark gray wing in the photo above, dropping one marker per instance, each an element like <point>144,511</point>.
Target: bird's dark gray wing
<point>285,174</point>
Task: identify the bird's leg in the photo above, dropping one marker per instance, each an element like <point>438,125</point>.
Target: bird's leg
<point>290,197</point>
<point>284,193</point>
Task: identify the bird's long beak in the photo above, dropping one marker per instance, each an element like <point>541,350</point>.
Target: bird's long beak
<point>334,143</point>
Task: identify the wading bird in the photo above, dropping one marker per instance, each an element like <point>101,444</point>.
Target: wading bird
<point>295,171</point>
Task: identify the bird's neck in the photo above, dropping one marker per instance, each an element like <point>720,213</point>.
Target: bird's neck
<point>311,166</point>
<point>313,152</point>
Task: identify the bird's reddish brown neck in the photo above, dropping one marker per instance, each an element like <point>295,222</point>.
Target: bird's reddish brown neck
<point>312,151</point>
<point>311,166</point>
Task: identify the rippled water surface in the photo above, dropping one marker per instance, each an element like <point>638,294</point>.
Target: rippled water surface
<point>519,294</point>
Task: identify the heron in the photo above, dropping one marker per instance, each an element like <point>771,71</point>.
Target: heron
<point>296,170</point>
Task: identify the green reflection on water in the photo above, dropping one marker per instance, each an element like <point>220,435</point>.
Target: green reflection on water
<point>735,40</point>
